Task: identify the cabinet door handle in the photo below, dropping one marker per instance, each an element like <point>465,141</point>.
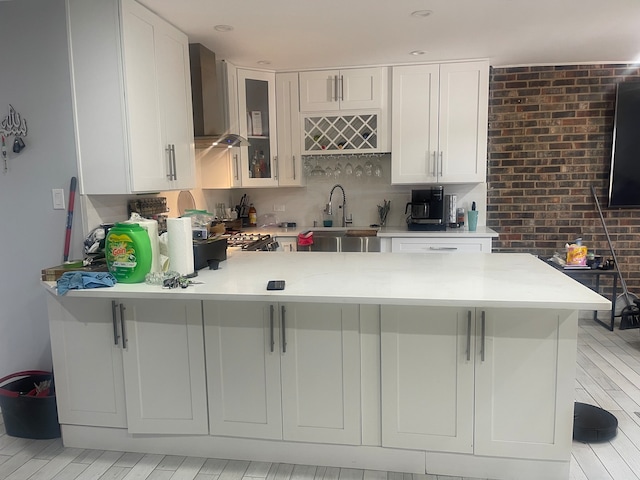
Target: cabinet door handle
<point>275,170</point>
<point>293,164</point>
<point>469,336</point>
<point>175,168</point>
<point>170,158</point>
<point>435,164</point>
<point>441,163</point>
<point>237,172</point>
<point>342,87</point>
<point>272,341</point>
<point>335,88</point>
<point>114,316</point>
<point>284,329</point>
<point>482,340</point>
<point>124,334</point>
<point>443,248</point>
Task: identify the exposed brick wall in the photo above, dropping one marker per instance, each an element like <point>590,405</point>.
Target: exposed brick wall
<point>550,135</point>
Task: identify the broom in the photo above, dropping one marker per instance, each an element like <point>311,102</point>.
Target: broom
<point>630,314</point>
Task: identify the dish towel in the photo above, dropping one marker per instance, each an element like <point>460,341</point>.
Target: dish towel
<point>82,280</point>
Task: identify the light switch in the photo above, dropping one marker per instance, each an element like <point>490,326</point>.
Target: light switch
<point>58,198</point>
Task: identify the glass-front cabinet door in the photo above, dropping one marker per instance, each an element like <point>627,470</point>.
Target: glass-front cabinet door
<point>257,111</point>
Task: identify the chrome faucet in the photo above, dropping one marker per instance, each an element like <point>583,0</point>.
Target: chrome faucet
<point>329,211</point>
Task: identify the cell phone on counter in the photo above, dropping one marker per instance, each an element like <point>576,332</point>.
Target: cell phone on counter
<point>275,285</point>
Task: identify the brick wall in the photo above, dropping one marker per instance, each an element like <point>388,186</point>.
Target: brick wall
<point>550,135</point>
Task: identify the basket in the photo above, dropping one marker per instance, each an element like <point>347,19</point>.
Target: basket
<point>26,415</point>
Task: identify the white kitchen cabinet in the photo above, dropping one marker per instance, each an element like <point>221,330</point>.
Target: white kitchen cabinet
<point>164,367</point>
<point>524,383</point>
<point>439,123</point>
<point>440,245</point>
<point>86,347</point>
<point>349,89</point>
<point>427,378</point>
<point>257,123</point>
<point>284,371</point>
<point>131,99</point>
<point>289,136</point>
<point>136,364</point>
<point>492,382</point>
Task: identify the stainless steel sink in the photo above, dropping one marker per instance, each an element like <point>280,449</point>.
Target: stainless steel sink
<point>339,241</point>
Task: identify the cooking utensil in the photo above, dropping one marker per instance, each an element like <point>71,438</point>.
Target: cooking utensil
<point>630,313</point>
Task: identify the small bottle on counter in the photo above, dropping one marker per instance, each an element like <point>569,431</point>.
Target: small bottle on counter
<point>253,216</point>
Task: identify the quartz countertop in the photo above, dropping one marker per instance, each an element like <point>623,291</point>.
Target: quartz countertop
<point>389,232</point>
<point>509,280</point>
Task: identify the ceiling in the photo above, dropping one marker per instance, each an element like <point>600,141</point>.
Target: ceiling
<point>306,34</point>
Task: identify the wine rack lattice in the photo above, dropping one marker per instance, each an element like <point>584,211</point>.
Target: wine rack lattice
<point>337,133</point>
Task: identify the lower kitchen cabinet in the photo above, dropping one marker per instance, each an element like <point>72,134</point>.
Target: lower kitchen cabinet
<point>284,371</point>
<point>427,378</point>
<point>492,382</point>
<point>164,367</point>
<point>137,364</point>
<point>87,357</point>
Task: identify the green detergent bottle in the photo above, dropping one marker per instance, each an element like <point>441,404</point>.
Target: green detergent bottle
<point>128,252</point>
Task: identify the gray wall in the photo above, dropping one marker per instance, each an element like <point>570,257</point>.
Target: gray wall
<point>34,78</point>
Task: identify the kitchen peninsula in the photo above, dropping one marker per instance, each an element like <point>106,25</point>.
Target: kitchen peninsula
<point>456,364</point>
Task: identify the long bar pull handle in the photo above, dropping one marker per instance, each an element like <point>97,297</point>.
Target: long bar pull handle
<point>275,170</point>
<point>441,163</point>
<point>482,343</point>
<point>168,150</point>
<point>449,249</point>
<point>293,161</point>
<point>335,87</point>
<point>342,88</point>
<point>235,158</point>
<point>124,333</point>
<point>175,168</point>
<point>435,164</point>
<point>284,329</point>
<point>272,340</point>
<point>114,317</point>
<point>469,336</point>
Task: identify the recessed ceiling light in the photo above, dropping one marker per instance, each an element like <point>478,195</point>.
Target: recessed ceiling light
<point>223,28</point>
<point>264,62</point>
<point>418,52</point>
<point>421,13</point>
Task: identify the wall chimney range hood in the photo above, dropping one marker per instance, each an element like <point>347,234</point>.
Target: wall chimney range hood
<point>212,124</point>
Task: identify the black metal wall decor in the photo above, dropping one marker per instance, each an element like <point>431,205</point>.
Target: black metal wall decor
<point>16,126</point>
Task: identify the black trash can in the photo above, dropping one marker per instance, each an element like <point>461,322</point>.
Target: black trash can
<point>27,413</point>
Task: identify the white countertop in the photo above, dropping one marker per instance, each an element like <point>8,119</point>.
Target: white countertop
<point>389,232</point>
<point>509,280</point>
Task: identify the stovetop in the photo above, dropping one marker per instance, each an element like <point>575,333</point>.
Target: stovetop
<point>251,241</point>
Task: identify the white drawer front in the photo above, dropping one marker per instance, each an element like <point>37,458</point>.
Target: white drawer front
<point>440,245</point>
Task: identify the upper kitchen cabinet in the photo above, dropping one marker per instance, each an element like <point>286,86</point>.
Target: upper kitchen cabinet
<point>351,89</point>
<point>439,123</point>
<point>289,135</point>
<point>257,122</point>
<point>131,99</point>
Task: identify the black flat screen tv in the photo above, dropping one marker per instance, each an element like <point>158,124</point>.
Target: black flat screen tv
<point>624,179</point>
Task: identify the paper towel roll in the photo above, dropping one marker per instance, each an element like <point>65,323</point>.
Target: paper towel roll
<point>151,226</point>
<point>180,241</point>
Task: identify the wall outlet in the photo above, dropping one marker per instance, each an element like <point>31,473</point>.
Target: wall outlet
<point>278,208</point>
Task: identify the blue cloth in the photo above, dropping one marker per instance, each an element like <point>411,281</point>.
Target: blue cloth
<point>81,280</point>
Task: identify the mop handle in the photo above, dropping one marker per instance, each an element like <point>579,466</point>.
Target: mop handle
<point>613,253</point>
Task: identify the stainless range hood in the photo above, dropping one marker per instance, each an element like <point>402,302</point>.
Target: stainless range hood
<point>211,122</point>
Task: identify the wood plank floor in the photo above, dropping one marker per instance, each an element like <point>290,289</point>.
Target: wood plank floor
<point>608,375</point>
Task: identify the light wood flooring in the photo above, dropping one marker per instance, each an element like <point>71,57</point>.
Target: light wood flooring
<point>608,375</point>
